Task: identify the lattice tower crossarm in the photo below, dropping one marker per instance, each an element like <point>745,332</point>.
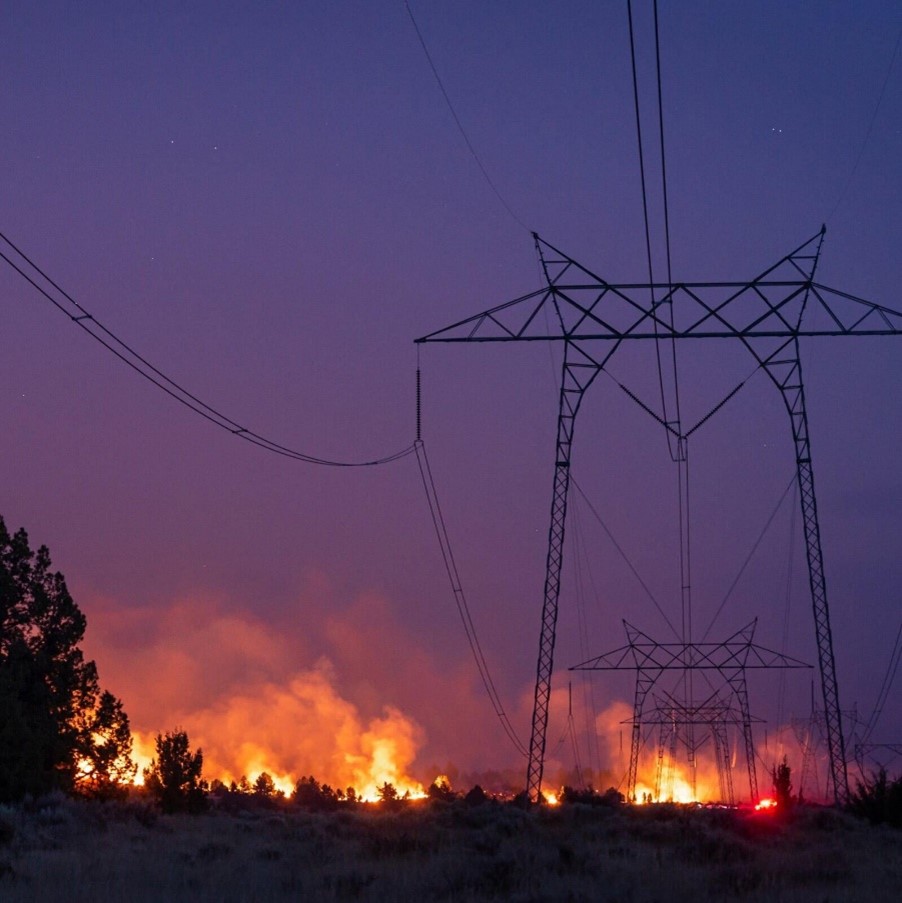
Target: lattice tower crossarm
<point>592,317</point>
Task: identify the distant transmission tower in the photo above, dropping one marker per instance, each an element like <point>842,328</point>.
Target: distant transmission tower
<point>729,660</point>
<point>592,318</point>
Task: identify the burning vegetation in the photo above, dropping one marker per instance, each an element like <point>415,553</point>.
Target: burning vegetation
<point>60,731</point>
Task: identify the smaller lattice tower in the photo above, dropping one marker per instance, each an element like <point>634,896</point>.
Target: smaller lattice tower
<point>676,718</point>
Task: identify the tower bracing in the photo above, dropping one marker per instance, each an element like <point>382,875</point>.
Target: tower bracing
<point>672,716</point>
<point>729,660</point>
<point>871,757</point>
<point>591,318</point>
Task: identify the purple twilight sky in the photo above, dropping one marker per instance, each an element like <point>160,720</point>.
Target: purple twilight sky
<point>271,201</point>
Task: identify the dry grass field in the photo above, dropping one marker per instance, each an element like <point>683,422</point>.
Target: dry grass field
<point>63,850</point>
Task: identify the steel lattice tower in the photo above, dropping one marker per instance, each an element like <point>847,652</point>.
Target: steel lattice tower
<point>729,659</point>
<point>591,318</point>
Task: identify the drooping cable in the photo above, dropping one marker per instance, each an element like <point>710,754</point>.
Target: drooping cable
<point>623,555</point>
<point>645,217</point>
<point>885,687</point>
<point>870,128</point>
<point>441,532</point>
<point>669,296</point>
<point>583,573</point>
<point>751,554</point>
<point>66,304</point>
<point>685,544</point>
<point>459,124</point>
<point>681,454</point>
<point>790,557</point>
<point>574,745</point>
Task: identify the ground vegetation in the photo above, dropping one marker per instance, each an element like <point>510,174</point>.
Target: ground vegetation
<point>439,849</point>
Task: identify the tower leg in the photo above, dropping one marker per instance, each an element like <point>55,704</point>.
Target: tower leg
<point>659,771</point>
<point>644,683</point>
<point>579,370</point>
<point>785,369</point>
<point>736,680</point>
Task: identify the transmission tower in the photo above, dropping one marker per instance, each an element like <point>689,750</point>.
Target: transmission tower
<point>591,318</point>
<point>672,717</point>
<point>888,753</point>
<point>729,659</point>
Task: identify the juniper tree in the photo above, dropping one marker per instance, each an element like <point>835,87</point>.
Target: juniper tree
<point>57,729</point>
<point>174,776</point>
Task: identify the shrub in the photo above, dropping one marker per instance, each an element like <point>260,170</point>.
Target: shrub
<point>878,799</point>
<point>440,789</point>
<point>475,796</point>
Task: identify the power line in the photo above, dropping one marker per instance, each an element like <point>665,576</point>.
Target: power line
<point>441,532</point>
<point>144,368</point>
<point>79,315</point>
<point>676,379</point>
<point>867,136</point>
<point>750,555</point>
<point>460,127</point>
<point>648,255</point>
<point>623,555</point>
<point>885,687</point>
<point>681,457</point>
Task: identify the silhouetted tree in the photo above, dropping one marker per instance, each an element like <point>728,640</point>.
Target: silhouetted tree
<point>54,720</point>
<point>105,768</point>
<point>388,794</point>
<point>782,777</point>
<point>265,786</point>
<point>309,794</point>
<point>174,776</point>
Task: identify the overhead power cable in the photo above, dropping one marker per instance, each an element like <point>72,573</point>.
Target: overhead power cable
<point>438,522</point>
<point>66,304</point>
<point>623,555</point>
<point>459,124</point>
<point>673,354</point>
<point>645,217</point>
<point>751,554</point>
<point>885,687</point>
<point>680,455</point>
<point>867,135</point>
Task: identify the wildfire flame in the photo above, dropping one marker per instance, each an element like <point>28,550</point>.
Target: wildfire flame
<point>304,728</point>
<point>679,788</point>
